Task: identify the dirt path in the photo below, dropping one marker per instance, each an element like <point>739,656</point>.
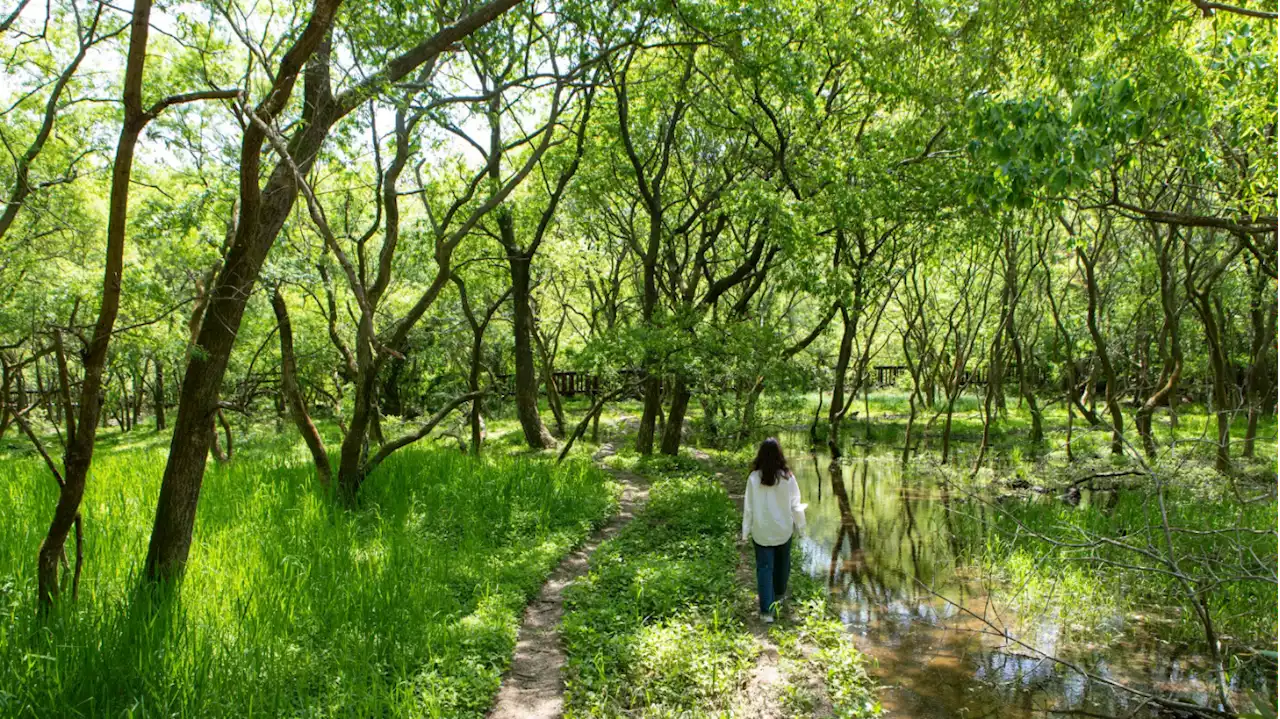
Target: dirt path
<point>761,695</point>
<point>534,685</point>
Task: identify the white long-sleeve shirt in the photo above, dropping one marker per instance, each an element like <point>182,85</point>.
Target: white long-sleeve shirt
<point>771,514</point>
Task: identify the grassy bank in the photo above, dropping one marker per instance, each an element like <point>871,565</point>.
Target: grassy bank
<point>292,605</point>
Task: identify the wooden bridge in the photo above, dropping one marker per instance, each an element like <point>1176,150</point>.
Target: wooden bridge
<point>888,374</point>
<point>567,384</point>
<point>572,384</point>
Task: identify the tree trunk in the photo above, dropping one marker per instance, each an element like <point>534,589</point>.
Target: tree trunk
<point>159,395</point>
<point>139,392</point>
<point>995,369</point>
<point>1201,295</point>
<point>473,383</point>
<point>1171,372</point>
<point>1071,416</point>
<point>835,410</point>
<point>79,454</point>
<point>1219,370</point>
<point>946,435</point>
<point>46,395</point>
<point>911,421</point>
<point>675,418</point>
<point>813,425</point>
<point>1262,316</point>
<point>986,426</point>
<point>1027,389</point>
<point>1104,357</point>
<point>649,417</point>
<point>6,412</point>
<point>263,213</point>
<point>355,442</point>
<point>293,394</point>
<point>553,394</point>
<point>535,432</point>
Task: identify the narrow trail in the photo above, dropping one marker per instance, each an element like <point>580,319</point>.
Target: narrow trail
<point>533,687</point>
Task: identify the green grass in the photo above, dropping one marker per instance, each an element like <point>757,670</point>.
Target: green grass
<point>821,665</point>
<point>652,630</point>
<point>292,605</point>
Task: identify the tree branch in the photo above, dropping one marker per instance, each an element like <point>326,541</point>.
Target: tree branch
<point>422,431</point>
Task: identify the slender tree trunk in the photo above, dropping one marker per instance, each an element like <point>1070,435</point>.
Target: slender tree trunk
<point>535,432</point>
<point>7,407</point>
<point>553,394</point>
<point>473,383</point>
<point>79,454</point>
<point>1104,357</point>
<point>1201,293</point>
<point>946,425</point>
<point>1027,389</point>
<point>813,426</point>
<point>995,369</point>
<point>46,395</point>
<point>139,391</point>
<point>293,393</point>
<point>649,417</point>
<point>867,411</point>
<point>159,395</point>
<point>675,418</point>
<point>911,421</point>
<point>1171,372</point>
<point>986,426</point>
<point>1219,370</point>
<point>835,410</point>
<point>1262,315</point>
<point>1071,416</point>
<point>263,213</point>
<point>375,421</point>
<point>126,404</point>
<point>749,407</point>
<point>355,443</point>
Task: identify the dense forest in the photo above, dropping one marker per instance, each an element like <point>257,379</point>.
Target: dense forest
<point>327,330</point>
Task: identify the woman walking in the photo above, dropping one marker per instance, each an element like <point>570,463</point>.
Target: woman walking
<point>771,512</point>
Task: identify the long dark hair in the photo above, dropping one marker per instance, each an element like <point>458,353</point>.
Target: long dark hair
<point>770,462</point>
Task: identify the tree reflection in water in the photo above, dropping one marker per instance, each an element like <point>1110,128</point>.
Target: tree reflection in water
<point>888,542</point>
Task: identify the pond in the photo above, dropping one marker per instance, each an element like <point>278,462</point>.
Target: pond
<point>885,547</point>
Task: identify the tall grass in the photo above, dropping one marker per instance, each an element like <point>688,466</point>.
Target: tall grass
<point>292,605</point>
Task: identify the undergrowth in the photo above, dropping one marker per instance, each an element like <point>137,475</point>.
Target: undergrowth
<point>291,605</point>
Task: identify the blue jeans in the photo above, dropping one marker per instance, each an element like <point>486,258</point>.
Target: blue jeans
<point>773,567</point>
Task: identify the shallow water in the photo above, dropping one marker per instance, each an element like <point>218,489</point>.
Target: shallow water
<point>885,547</point>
